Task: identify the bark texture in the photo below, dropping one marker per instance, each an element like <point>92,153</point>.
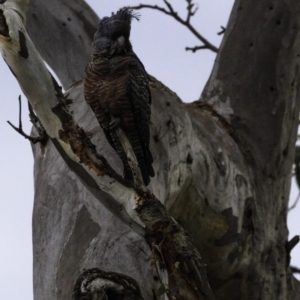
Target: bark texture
<point>63,27</point>
<point>258,93</point>
<point>222,164</point>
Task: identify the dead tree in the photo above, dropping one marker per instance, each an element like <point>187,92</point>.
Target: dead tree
<point>223,165</point>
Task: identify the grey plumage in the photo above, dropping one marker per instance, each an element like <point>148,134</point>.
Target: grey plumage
<point>116,87</point>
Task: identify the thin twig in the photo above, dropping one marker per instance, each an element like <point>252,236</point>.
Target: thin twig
<point>191,12</point>
<point>295,270</point>
<point>292,243</point>
<point>37,124</point>
<point>196,48</point>
<point>222,31</point>
<point>34,140</point>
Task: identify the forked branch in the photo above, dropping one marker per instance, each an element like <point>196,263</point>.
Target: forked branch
<point>191,11</point>
<point>42,138</point>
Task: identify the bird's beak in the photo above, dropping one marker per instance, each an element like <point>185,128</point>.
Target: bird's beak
<point>118,46</point>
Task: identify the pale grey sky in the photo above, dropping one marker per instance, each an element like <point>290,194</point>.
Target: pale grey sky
<point>160,44</point>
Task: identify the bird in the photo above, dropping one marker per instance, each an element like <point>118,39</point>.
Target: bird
<point>116,86</point>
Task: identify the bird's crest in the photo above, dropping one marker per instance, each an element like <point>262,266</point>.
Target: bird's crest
<point>118,23</point>
<point>125,14</point>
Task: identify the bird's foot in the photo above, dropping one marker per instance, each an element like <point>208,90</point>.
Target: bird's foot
<point>115,122</point>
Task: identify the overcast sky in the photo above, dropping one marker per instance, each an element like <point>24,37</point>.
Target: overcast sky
<point>160,44</point>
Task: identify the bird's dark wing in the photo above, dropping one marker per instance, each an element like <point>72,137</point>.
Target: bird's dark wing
<point>117,87</point>
<point>105,89</point>
<point>140,99</point>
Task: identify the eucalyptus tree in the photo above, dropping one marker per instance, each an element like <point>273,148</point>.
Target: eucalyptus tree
<point>212,224</point>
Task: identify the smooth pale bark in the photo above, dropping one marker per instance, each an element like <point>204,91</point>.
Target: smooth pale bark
<point>223,173</point>
<point>72,22</point>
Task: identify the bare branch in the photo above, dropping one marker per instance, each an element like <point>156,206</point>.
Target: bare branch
<point>222,31</point>
<point>190,10</point>
<point>39,139</point>
<point>196,48</point>
<point>170,8</point>
<point>292,243</point>
<point>295,270</point>
<point>156,7</point>
<point>171,12</point>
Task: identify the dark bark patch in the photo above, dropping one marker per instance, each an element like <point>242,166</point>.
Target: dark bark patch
<point>285,151</point>
<point>231,234</point>
<point>189,159</point>
<point>272,89</point>
<point>179,180</point>
<point>34,16</point>
<point>3,25</point>
<point>23,48</point>
<point>247,226</point>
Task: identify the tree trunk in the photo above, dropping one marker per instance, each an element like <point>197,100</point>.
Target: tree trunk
<point>223,164</point>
